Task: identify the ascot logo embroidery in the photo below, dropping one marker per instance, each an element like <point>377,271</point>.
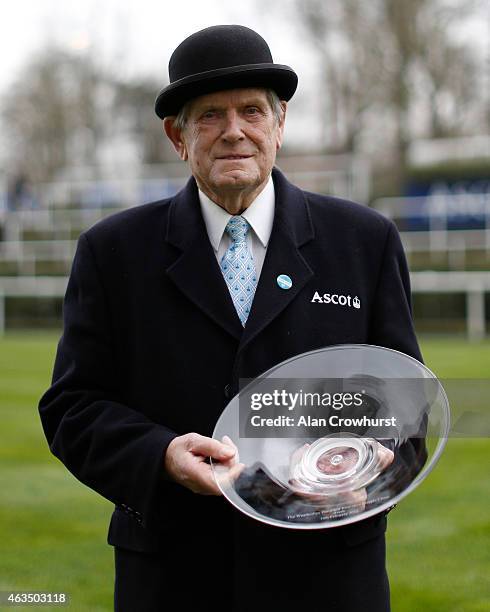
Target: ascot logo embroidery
<point>337,299</point>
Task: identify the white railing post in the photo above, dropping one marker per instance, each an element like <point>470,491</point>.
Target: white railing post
<point>475,314</point>
<point>2,313</point>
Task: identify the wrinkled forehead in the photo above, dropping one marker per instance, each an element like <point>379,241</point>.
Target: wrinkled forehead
<point>230,98</point>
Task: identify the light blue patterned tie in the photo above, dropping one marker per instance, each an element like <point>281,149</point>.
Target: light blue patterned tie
<point>238,267</point>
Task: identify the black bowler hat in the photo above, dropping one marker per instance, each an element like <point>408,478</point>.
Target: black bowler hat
<point>222,57</point>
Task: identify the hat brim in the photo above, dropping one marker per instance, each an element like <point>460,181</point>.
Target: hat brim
<point>282,79</point>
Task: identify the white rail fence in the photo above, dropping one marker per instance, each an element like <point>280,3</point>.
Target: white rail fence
<point>473,284</point>
<point>24,255</point>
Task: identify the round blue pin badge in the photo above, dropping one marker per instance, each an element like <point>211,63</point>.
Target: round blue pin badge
<point>284,281</point>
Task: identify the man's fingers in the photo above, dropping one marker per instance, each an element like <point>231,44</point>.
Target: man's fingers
<point>385,456</point>
<point>235,471</point>
<point>357,498</point>
<point>227,440</point>
<point>185,461</point>
<point>226,477</point>
<point>235,458</point>
<point>201,445</point>
<point>205,480</point>
<point>198,477</point>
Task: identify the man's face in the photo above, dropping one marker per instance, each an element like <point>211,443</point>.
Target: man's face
<point>230,139</point>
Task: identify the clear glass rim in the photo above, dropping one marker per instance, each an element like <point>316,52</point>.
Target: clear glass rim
<point>368,513</point>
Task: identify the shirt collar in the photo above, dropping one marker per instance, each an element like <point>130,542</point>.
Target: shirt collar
<point>260,216</point>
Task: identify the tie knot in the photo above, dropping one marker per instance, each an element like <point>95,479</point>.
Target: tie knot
<point>237,228</point>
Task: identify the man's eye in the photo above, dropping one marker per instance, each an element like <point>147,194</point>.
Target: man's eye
<point>252,110</point>
<point>209,114</point>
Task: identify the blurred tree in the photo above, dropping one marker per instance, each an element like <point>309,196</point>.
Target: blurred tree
<point>62,108</point>
<point>454,87</point>
<point>50,114</point>
<point>422,50</point>
<point>400,21</point>
<point>375,56</point>
<point>350,56</point>
<point>136,100</point>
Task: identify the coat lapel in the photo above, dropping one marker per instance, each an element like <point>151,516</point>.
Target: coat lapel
<point>196,271</point>
<point>292,228</point>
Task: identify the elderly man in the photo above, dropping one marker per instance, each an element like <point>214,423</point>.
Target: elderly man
<point>170,304</point>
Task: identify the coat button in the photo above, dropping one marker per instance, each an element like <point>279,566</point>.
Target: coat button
<point>227,391</point>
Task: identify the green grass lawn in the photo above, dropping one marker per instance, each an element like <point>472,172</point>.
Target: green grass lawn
<point>53,529</point>
<point>439,537</point>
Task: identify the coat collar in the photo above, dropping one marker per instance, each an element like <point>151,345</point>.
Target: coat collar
<point>197,273</point>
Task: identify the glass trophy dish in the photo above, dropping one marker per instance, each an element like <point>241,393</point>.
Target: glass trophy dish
<point>332,436</point>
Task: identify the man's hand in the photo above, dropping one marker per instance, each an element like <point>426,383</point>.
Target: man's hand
<point>185,461</point>
<point>352,501</point>
<point>385,456</point>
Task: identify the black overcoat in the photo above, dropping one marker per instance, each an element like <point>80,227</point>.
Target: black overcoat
<point>152,348</point>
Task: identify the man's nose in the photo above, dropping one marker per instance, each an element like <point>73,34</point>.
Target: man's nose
<point>232,128</point>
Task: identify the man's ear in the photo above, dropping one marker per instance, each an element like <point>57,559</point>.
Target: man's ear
<point>280,125</point>
<point>175,136</point>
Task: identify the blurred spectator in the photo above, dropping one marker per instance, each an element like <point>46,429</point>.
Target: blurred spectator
<point>19,193</point>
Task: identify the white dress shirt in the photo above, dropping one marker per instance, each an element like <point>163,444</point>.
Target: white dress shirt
<point>260,216</point>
